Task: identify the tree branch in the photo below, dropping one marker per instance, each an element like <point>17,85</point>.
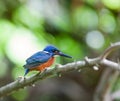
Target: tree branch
<point>87,62</point>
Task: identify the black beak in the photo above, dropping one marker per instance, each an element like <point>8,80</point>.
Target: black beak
<point>62,54</point>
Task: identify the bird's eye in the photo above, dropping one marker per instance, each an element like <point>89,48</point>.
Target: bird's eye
<point>55,51</point>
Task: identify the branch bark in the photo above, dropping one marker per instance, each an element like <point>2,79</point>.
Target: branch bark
<point>87,62</point>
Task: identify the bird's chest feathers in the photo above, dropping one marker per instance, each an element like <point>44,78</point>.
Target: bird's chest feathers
<point>45,65</point>
<point>49,62</point>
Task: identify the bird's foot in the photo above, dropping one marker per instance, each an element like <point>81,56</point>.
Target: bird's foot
<point>21,78</point>
<point>45,70</point>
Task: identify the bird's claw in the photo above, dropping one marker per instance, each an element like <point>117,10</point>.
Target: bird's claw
<point>21,78</point>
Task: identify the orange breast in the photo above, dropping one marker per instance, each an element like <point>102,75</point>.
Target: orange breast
<point>45,65</point>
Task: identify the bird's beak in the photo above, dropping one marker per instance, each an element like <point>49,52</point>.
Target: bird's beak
<point>62,54</point>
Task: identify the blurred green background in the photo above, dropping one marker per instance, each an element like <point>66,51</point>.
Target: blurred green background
<point>77,27</point>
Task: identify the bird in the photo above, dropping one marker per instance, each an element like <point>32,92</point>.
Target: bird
<point>42,59</point>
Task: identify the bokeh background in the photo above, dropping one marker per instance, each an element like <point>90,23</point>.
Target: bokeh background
<point>77,27</point>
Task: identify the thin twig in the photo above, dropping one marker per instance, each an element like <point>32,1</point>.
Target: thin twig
<point>110,49</point>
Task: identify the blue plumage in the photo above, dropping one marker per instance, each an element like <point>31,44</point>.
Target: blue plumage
<point>26,71</point>
<point>37,59</point>
<point>51,49</point>
<point>42,59</point>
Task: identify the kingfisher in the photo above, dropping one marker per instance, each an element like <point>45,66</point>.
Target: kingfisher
<point>43,59</point>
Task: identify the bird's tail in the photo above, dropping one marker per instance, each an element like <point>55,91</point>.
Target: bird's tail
<point>26,71</point>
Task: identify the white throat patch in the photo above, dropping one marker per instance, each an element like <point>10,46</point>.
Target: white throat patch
<point>45,51</point>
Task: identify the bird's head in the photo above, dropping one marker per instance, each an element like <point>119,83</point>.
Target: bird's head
<point>55,51</point>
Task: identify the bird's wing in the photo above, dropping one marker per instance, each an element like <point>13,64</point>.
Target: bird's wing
<point>37,59</point>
